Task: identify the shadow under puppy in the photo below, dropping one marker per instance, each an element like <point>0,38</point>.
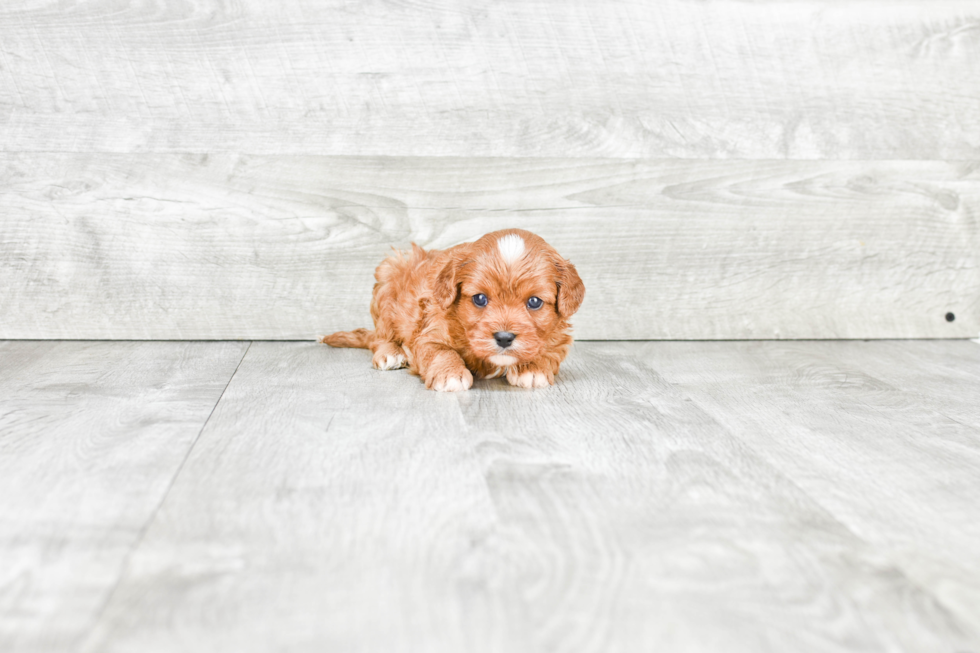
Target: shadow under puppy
<point>497,306</point>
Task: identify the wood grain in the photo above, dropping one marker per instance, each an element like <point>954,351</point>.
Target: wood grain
<point>894,460</point>
<point>868,79</point>
<point>928,370</point>
<point>164,246</point>
<point>330,506</point>
<point>91,437</point>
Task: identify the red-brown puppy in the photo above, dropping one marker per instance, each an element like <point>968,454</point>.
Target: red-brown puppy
<point>497,306</point>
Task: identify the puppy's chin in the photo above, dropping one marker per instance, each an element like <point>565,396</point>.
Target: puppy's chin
<point>502,360</point>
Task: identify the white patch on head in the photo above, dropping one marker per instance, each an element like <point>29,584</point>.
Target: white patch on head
<point>503,360</point>
<point>511,248</point>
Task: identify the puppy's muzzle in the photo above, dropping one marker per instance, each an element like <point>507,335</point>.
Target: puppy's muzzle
<point>504,339</point>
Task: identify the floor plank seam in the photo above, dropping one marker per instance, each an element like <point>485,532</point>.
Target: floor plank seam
<point>762,459</point>
<point>775,468</point>
<point>804,496</point>
<point>152,518</point>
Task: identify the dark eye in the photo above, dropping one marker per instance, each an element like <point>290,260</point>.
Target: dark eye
<point>535,303</point>
<point>480,300</point>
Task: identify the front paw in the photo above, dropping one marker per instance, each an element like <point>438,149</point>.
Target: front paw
<point>389,359</point>
<point>529,376</point>
<point>455,380</point>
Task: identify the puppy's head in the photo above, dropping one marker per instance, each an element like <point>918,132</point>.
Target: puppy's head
<point>513,293</point>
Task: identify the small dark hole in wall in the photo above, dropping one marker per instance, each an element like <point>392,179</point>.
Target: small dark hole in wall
<point>950,317</point>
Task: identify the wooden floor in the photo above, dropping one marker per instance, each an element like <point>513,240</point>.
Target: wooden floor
<point>664,496</point>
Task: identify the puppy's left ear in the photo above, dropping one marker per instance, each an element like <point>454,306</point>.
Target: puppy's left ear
<point>571,290</point>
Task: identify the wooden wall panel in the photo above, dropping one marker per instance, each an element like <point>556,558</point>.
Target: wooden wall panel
<point>212,169</point>
<point>867,79</point>
<point>283,247</point>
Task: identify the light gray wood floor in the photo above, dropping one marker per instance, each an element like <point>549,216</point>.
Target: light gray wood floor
<point>667,496</point>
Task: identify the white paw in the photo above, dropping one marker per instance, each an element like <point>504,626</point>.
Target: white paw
<point>528,379</point>
<point>453,382</point>
<point>391,362</point>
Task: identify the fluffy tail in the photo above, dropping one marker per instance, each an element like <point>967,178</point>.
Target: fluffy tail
<point>357,339</point>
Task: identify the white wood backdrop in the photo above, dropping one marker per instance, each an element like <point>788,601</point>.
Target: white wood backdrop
<point>229,246</point>
<point>729,169</point>
<point>863,79</point>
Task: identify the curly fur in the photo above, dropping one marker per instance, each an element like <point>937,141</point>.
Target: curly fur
<point>425,318</point>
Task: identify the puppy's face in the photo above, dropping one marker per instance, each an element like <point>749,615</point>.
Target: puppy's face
<point>513,295</point>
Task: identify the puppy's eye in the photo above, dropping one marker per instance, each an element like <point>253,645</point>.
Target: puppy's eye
<point>535,303</point>
<point>480,300</point>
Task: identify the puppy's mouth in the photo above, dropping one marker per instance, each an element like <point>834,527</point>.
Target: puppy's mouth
<point>504,357</point>
<point>502,360</point>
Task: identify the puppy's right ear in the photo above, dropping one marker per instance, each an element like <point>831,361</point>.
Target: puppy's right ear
<point>446,288</point>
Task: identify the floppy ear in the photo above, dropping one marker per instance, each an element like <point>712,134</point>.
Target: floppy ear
<point>571,290</point>
<point>446,288</point>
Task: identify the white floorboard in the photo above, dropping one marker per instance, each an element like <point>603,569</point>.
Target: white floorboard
<point>663,496</point>
<point>91,437</point>
<point>884,435</point>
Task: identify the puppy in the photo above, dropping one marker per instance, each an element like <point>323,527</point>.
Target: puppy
<point>498,306</point>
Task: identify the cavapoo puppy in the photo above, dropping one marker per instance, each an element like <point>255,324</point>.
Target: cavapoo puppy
<point>497,306</point>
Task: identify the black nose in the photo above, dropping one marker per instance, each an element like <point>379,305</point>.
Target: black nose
<point>504,338</point>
